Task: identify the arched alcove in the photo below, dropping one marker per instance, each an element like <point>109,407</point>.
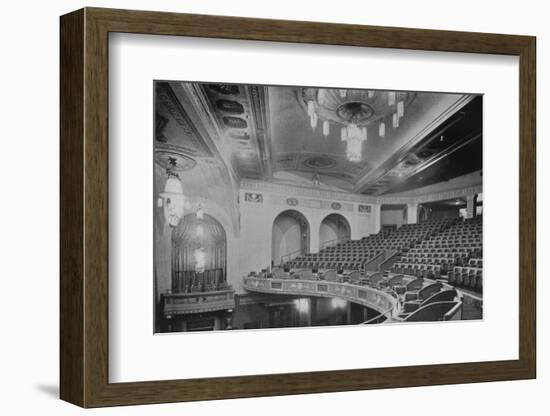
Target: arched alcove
<point>199,254</point>
<point>334,227</point>
<point>290,236</point>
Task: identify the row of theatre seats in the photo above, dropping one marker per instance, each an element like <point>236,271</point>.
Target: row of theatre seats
<point>470,276</point>
<point>432,249</point>
<point>191,281</point>
<point>353,254</point>
<point>455,252</point>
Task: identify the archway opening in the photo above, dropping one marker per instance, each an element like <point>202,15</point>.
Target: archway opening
<point>199,254</point>
<point>444,209</point>
<point>290,236</point>
<point>334,228</point>
<point>393,216</point>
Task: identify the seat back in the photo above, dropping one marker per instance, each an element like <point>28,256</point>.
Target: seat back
<point>429,290</point>
<point>376,278</point>
<point>278,273</point>
<point>415,285</point>
<point>354,277</point>
<point>306,275</point>
<point>395,280</point>
<point>331,275</point>
<point>436,311</point>
<point>443,296</point>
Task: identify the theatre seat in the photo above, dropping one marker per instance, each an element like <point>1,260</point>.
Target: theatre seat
<point>278,273</point>
<point>354,277</point>
<point>395,280</point>
<point>429,290</point>
<point>331,275</point>
<point>413,300</point>
<point>415,285</point>
<point>307,275</point>
<point>376,279</point>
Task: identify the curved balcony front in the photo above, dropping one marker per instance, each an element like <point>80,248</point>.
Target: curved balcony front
<point>198,302</point>
<point>380,301</point>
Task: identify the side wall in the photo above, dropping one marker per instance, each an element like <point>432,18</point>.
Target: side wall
<point>258,211</point>
<point>249,242</point>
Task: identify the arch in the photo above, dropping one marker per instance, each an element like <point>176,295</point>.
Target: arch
<point>290,236</point>
<point>199,254</point>
<point>334,227</point>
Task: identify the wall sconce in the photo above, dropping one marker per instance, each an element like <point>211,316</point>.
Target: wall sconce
<point>172,198</point>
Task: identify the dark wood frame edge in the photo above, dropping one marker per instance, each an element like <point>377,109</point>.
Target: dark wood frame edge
<point>84,207</point>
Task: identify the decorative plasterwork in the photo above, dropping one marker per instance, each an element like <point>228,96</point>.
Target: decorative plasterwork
<point>364,209</point>
<point>187,137</point>
<point>253,197</point>
<point>259,106</point>
<point>170,156</point>
<point>296,191</point>
<point>196,136</point>
<point>239,115</point>
<point>454,193</point>
<point>362,295</point>
<point>310,203</point>
<point>201,106</point>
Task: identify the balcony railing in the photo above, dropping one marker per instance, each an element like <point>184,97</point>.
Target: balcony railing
<point>380,301</point>
<point>198,302</point>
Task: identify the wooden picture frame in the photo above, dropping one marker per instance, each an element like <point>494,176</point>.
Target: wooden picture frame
<point>84,207</point>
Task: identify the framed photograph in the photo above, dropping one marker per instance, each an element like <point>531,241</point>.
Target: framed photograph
<point>259,207</point>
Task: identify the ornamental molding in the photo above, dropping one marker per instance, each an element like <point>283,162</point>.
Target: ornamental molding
<point>328,195</point>
<point>304,191</point>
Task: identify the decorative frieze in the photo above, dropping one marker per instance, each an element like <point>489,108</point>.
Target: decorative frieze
<point>253,197</point>
<point>364,209</point>
<point>310,203</point>
<point>292,202</point>
<point>303,194</point>
<point>303,191</point>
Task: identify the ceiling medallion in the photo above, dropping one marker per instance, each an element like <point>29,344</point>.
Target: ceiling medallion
<point>169,157</point>
<point>319,162</point>
<point>354,111</point>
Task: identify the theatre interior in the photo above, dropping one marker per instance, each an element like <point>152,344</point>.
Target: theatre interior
<point>299,206</point>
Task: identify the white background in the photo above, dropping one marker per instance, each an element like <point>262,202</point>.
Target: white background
<point>137,59</point>
<point>29,221</point>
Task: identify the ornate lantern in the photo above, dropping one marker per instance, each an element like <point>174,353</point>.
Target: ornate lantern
<point>172,198</point>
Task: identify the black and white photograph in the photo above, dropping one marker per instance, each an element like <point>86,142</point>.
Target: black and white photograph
<point>302,206</point>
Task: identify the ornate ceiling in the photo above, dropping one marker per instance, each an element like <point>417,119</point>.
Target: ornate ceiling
<point>264,132</point>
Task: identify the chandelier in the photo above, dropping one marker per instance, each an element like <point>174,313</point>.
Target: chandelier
<point>354,112</point>
<point>354,137</point>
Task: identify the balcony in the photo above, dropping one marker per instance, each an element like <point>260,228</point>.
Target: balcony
<point>198,302</point>
<point>380,301</point>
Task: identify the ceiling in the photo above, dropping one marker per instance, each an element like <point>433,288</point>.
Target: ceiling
<point>233,132</point>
